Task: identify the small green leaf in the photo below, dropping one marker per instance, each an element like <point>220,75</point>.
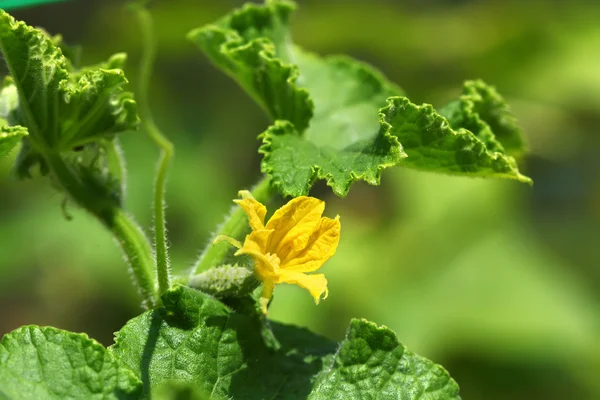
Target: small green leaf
<point>10,136</point>
<point>196,339</point>
<point>62,108</point>
<point>482,110</point>
<point>338,130</point>
<point>241,44</point>
<point>48,363</point>
<point>371,364</point>
<point>433,145</point>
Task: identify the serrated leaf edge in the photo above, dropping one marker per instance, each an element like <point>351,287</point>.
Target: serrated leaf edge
<point>316,171</point>
<point>234,43</point>
<point>428,109</point>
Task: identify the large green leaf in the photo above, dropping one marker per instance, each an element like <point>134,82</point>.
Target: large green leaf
<point>351,134</point>
<point>197,339</point>
<point>61,109</point>
<point>48,363</point>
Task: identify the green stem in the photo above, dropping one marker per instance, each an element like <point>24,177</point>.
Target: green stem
<point>132,240</point>
<point>160,231</point>
<point>235,226</point>
<point>137,251</point>
<point>116,162</point>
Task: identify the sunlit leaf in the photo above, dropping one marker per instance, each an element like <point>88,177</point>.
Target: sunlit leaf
<point>341,112</point>
<point>48,363</point>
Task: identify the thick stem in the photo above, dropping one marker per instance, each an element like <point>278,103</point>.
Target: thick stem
<point>234,226</point>
<point>160,231</point>
<point>131,239</point>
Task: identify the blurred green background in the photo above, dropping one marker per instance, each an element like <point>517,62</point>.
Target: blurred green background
<point>497,281</point>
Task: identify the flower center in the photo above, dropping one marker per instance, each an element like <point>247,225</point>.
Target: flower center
<point>274,260</point>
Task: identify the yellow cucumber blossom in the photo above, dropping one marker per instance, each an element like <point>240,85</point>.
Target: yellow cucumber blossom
<point>294,241</point>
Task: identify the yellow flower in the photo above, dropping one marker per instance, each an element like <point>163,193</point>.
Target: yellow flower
<point>295,240</point>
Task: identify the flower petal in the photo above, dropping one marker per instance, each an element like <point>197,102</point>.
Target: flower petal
<point>254,210</point>
<point>321,245</point>
<point>293,224</point>
<point>315,284</point>
<point>254,246</point>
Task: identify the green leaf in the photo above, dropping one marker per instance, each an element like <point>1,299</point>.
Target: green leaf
<point>433,145</point>
<point>294,162</point>
<point>346,139</point>
<point>372,364</point>
<point>241,44</point>
<point>48,363</point>
<point>198,340</point>
<point>10,136</point>
<point>60,108</point>
<point>350,136</point>
<point>483,111</point>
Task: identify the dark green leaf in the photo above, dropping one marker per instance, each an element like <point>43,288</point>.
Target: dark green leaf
<point>47,363</point>
<point>198,340</point>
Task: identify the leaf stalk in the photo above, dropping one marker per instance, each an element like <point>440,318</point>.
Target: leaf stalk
<point>127,233</point>
<point>166,147</point>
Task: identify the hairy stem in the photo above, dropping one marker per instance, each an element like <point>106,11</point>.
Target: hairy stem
<point>131,239</point>
<point>137,251</point>
<point>166,147</point>
<point>234,226</point>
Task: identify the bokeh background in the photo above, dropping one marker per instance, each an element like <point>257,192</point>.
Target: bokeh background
<point>497,281</point>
